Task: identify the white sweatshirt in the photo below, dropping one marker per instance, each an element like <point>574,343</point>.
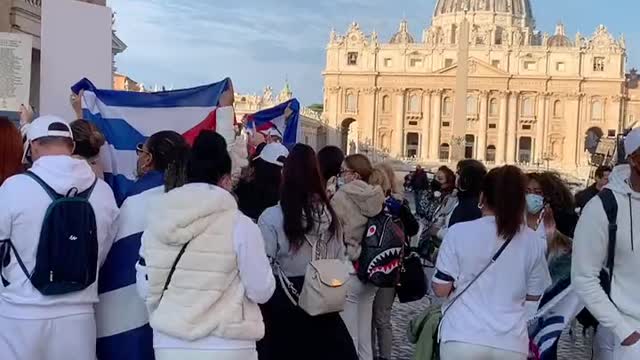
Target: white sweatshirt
<point>590,252</point>
<point>23,204</point>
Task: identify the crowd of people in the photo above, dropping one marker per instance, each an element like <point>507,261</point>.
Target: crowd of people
<point>196,263</point>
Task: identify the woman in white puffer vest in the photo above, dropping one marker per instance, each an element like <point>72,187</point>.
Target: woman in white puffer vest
<point>205,265</point>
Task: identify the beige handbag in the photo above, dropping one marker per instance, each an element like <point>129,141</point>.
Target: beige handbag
<point>324,290</point>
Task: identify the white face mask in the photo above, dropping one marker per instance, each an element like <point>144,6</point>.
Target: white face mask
<point>340,182</point>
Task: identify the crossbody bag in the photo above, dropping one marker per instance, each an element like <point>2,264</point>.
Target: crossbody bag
<point>324,290</point>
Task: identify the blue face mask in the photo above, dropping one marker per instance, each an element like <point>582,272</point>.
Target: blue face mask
<point>340,182</point>
<point>535,203</point>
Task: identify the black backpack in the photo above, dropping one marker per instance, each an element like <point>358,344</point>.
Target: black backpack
<point>610,205</point>
<point>67,254</point>
<point>382,251</point>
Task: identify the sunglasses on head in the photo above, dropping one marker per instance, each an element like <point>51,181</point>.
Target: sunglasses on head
<point>140,149</point>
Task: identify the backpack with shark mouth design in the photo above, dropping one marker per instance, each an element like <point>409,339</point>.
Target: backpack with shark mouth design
<point>382,251</point>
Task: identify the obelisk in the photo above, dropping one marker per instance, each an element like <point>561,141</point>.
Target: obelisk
<point>462,85</point>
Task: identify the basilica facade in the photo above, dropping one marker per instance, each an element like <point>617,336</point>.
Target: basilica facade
<point>532,98</point>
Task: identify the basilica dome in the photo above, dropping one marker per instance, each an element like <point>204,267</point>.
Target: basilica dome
<point>517,8</point>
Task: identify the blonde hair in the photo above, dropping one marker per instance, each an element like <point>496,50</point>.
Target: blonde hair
<point>396,185</point>
<point>379,178</point>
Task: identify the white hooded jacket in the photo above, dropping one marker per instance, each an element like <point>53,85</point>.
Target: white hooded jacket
<point>622,313</point>
<point>23,204</point>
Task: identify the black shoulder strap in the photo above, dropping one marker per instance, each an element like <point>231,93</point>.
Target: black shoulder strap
<point>173,269</point>
<point>610,206</point>
<point>87,193</point>
<point>52,193</point>
<point>493,260</point>
<point>5,253</point>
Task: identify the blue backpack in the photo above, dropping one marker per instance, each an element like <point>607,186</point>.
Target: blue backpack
<point>67,254</point>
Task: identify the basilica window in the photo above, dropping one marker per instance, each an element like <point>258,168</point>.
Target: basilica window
<point>495,63</point>
<point>560,66</point>
<point>386,104</point>
<point>493,107</point>
<point>490,155</point>
<point>454,34</point>
<point>414,104</point>
<point>448,62</point>
<point>598,64</point>
<point>415,62</point>
<point>444,152</point>
<point>557,109</point>
<point>527,107</point>
<point>530,65</point>
<point>472,105</point>
<point>352,58</point>
<point>498,35</point>
<point>351,103</point>
<point>596,111</point>
<point>446,107</point>
<point>388,62</point>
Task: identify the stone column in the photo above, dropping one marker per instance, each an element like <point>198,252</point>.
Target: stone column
<point>481,147</point>
<point>425,139</point>
<point>502,129</point>
<point>540,120</point>
<point>512,128</point>
<point>434,136</point>
<point>397,148</point>
<point>571,140</point>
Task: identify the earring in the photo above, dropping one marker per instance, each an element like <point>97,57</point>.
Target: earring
<point>480,206</point>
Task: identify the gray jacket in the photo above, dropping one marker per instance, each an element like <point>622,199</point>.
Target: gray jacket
<point>294,263</point>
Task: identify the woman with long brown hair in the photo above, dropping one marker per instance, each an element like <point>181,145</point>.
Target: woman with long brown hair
<point>303,219</point>
<point>355,202</point>
<point>489,268</point>
<point>88,140</point>
<point>10,150</point>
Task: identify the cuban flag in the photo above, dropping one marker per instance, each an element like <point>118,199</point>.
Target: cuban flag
<point>128,118</point>
<point>559,306</point>
<point>283,120</point>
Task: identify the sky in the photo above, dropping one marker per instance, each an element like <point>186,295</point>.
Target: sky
<point>185,43</point>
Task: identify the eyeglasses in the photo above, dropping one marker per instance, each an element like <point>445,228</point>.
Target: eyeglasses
<point>140,149</point>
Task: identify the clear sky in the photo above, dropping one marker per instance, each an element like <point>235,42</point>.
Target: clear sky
<point>263,42</point>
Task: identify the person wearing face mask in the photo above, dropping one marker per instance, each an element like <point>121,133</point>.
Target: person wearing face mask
<point>617,311</point>
<point>438,204</point>
<point>205,267</point>
<point>550,208</point>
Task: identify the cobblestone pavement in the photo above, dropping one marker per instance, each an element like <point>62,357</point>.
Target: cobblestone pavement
<point>570,348</point>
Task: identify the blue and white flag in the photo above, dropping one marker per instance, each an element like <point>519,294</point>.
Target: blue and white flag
<point>128,118</point>
<point>283,119</point>
<point>559,306</point>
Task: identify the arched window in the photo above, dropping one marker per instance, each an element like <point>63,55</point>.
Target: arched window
<point>414,104</point>
<point>557,109</point>
<point>491,154</point>
<point>446,107</point>
<point>527,107</point>
<point>472,105</point>
<point>351,103</point>
<point>493,107</point>
<point>386,104</point>
<point>596,110</point>
<point>444,152</point>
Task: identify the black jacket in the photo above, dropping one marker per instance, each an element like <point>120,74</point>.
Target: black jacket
<point>254,199</point>
<point>411,226</point>
<point>584,196</point>
<point>467,209</point>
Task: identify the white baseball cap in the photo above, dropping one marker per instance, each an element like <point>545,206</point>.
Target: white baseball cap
<point>48,125</point>
<point>274,153</point>
<point>632,142</point>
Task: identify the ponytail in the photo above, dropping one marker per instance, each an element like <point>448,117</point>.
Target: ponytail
<point>503,192</point>
<point>169,151</point>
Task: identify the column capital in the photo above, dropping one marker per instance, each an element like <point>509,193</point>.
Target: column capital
<point>369,90</point>
<point>574,96</point>
<point>436,91</point>
<point>484,94</point>
<point>334,89</point>
<point>617,98</point>
<point>398,91</point>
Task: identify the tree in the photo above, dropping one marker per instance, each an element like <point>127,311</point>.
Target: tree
<point>319,108</point>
